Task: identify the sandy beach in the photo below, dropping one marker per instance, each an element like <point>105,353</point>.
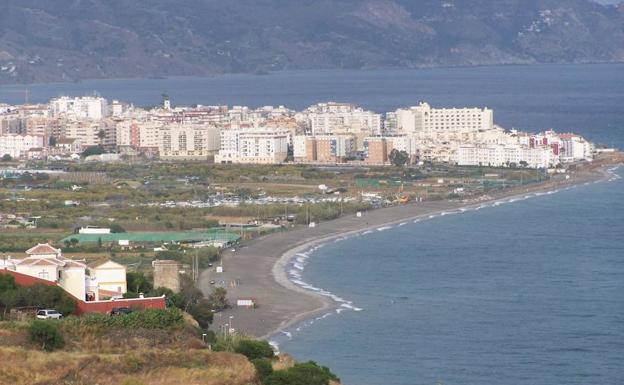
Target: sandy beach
<point>257,269</point>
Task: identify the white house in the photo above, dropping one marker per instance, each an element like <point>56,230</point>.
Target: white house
<point>46,262</point>
<point>111,279</point>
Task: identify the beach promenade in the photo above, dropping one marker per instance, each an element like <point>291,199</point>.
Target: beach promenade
<point>257,268</point>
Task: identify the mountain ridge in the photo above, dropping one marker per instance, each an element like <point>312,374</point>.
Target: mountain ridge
<point>57,40</point>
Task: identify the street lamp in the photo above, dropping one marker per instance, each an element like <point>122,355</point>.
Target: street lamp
<point>204,337</point>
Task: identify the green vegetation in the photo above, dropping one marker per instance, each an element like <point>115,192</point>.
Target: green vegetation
<point>46,334</point>
<point>137,283</point>
<point>38,295</point>
<point>94,150</point>
<point>398,158</point>
<point>264,368</point>
<point>204,255</point>
<point>308,373</point>
<point>144,319</point>
<point>254,349</point>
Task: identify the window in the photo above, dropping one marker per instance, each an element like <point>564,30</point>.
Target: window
<point>44,274</point>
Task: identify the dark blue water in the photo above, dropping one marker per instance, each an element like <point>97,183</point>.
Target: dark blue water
<point>588,99</point>
<point>529,292</point>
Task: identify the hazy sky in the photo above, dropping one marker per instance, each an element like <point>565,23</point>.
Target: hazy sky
<point>609,1</point>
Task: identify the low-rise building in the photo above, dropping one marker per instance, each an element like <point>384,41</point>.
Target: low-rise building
<point>17,146</point>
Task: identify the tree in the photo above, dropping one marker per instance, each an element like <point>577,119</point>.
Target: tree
<point>523,163</point>
<point>39,295</point>
<point>218,298</point>
<point>138,283</point>
<point>398,158</point>
<point>7,158</point>
<point>93,150</point>
<point>7,282</point>
<point>202,313</point>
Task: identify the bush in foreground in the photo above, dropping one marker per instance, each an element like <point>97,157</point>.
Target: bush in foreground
<point>46,334</point>
<point>264,368</point>
<point>308,373</point>
<point>145,319</point>
<point>254,349</point>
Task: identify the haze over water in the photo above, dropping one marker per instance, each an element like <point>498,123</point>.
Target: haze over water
<point>529,292</point>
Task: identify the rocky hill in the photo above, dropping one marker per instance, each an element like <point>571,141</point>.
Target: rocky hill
<point>51,40</point>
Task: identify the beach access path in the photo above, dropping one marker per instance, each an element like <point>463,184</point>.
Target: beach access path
<point>256,270</point>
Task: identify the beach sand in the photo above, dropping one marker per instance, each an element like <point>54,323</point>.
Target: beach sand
<point>257,269</point>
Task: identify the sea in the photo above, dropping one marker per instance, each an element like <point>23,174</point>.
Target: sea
<point>528,290</point>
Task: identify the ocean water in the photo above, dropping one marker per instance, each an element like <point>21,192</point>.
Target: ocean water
<point>587,99</point>
<point>522,292</point>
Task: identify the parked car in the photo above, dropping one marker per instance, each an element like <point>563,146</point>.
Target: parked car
<point>121,310</point>
<point>49,314</point>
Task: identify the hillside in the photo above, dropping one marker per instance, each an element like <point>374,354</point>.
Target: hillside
<point>50,40</point>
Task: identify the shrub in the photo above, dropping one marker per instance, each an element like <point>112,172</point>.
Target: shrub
<point>264,368</point>
<point>202,313</point>
<point>42,296</point>
<point>146,319</point>
<point>254,349</point>
<point>308,373</point>
<point>46,334</point>
<point>7,282</point>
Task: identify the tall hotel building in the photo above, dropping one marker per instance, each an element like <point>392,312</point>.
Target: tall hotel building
<point>425,122</point>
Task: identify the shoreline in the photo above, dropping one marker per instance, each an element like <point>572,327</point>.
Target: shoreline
<point>282,303</point>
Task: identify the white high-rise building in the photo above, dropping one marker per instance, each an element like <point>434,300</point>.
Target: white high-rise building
<point>575,148</point>
<point>424,121</point>
<point>188,141</point>
<point>85,107</point>
<point>340,118</point>
<point>254,145</point>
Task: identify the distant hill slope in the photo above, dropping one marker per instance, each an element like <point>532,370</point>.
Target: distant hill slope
<point>49,40</point>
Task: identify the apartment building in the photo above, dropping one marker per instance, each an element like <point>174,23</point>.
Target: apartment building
<point>575,148</point>
<point>425,121</point>
<point>377,149</point>
<point>253,145</point>
<point>17,146</point>
<point>85,107</point>
<point>322,148</point>
<point>506,156</point>
<point>88,132</point>
<point>340,118</point>
<point>184,141</point>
